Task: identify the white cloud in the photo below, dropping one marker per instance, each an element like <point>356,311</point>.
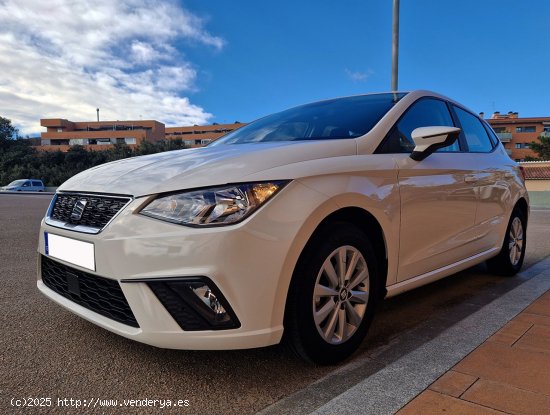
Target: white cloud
<point>144,52</point>
<point>65,58</point>
<point>359,76</point>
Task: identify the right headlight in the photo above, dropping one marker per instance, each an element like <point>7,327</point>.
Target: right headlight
<point>216,206</point>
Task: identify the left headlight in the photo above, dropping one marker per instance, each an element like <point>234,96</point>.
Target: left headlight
<point>215,206</point>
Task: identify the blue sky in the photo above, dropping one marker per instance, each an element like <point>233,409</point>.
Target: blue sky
<point>490,55</point>
<point>198,62</point>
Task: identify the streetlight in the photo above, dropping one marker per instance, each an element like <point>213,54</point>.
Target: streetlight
<point>395,45</point>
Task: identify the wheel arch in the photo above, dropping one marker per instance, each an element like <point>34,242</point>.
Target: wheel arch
<point>522,205</point>
<point>365,221</point>
<point>370,226</point>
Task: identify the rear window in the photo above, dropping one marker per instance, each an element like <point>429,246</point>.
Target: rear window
<point>339,118</point>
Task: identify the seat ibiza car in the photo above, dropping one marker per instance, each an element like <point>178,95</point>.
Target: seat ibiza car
<point>291,228</point>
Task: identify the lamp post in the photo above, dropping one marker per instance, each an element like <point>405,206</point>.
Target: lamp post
<point>395,46</point>
<point>97,109</point>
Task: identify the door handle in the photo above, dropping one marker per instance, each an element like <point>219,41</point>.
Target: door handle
<point>470,179</point>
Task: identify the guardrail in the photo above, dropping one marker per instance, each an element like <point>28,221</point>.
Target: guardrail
<point>539,199</point>
<point>8,192</point>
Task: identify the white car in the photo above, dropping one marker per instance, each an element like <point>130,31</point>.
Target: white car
<point>24,185</point>
<point>293,227</point>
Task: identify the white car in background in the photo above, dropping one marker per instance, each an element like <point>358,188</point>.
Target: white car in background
<point>293,227</point>
<point>24,185</point>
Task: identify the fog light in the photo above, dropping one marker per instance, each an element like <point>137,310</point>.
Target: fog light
<point>194,302</point>
<point>209,298</point>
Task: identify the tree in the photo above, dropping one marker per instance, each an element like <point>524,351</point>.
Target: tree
<point>7,132</point>
<point>146,147</point>
<point>19,159</point>
<point>542,148</point>
<point>120,151</point>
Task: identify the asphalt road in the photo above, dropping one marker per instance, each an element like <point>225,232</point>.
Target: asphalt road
<point>47,352</point>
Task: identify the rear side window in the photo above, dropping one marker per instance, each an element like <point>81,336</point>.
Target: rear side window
<point>492,136</point>
<point>426,112</point>
<point>38,184</point>
<point>474,132</point>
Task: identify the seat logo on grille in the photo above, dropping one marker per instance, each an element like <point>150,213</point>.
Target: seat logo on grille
<point>78,209</point>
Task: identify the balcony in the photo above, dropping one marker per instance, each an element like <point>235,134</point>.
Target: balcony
<point>504,137</point>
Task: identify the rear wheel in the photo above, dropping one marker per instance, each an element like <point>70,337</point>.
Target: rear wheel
<point>332,297</point>
<point>510,259</point>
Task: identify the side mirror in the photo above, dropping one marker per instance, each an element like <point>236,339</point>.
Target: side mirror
<point>429,139</point>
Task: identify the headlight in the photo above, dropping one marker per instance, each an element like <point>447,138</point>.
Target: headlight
<point>222,205</point>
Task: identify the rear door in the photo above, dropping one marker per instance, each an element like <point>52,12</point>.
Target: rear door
<point>37,185</point>
<point>490,178</point>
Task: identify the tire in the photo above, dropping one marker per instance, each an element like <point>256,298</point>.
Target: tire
<point>510,258</point>
<point>344,302</point>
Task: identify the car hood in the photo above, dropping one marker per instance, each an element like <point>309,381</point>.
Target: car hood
<point>200,167</point>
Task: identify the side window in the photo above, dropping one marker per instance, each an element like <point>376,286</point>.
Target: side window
<point>426,112</point>
<point>492,136</point>
<point>37,184</point>
<point>27,184</point>
<point>476,135</point>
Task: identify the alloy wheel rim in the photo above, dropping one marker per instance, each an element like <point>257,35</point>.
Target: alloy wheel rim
<point>515,243</point>
<point>341,294</point>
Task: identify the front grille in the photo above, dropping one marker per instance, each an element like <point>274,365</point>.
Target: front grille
<point>98,210</point>
<point>102,295</point>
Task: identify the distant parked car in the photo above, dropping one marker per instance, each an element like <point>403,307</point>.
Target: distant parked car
<point>25,185</point>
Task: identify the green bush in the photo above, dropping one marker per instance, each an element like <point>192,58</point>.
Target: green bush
<point>20,160</point>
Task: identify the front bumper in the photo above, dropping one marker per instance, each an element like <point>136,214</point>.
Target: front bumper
<point>247,262</point>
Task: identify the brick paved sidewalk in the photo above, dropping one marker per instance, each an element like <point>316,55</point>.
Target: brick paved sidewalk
<point>509,373</point>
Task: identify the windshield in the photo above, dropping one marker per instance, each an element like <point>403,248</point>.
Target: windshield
<point>17,183</point>
<point>338,118</point>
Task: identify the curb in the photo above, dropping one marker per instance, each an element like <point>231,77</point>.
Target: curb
<point>388,390</point>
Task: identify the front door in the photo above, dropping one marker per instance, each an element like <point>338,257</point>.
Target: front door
<point>438,195</point>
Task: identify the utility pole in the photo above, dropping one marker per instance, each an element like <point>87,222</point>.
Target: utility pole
<point>97,109</point>
<point>395,46</point>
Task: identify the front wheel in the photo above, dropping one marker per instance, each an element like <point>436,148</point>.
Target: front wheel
<point>510,259</point>
<point>332,297</point>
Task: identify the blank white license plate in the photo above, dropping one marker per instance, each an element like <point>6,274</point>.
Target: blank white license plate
<point>70,250</point>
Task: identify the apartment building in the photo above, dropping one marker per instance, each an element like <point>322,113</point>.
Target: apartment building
<point>517,133</point>
<point>197,136</point>
<point>61,134</point>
